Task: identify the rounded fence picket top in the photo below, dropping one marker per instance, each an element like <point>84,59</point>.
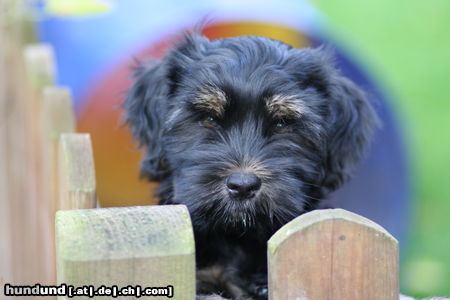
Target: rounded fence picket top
<point>76,172</point>
<point>146,246</point>
<point>333,254</point>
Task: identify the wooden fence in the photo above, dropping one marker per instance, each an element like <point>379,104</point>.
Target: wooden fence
<point>45,167</point>
<point>326,254</point>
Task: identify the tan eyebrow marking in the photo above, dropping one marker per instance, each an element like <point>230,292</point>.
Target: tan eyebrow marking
<point>285,106</point>
<point>211,98</point>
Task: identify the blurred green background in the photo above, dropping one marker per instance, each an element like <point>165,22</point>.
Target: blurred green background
<point>407,44</point>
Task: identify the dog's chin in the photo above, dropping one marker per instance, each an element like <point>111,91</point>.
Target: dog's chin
<point>241,216</point>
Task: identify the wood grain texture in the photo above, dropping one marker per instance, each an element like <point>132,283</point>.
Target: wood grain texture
<point>333,254</point>
<point>142,245</point>
<point>76,172</point>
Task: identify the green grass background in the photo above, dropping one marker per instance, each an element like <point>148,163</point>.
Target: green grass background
<point>406,44</point>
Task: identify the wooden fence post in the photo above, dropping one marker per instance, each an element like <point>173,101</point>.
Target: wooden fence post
<point>333,254</point>
<point>76,172</point>
<point>40,65</point>
<point>150,246</point>
<point>24,223</point>
<point>58,117</point>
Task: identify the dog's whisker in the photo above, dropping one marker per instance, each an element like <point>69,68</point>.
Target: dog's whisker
<point>311,197</point>
<point>311,184</point>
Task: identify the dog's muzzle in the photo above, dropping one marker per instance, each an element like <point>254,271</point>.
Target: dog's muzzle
<point>243,185</point>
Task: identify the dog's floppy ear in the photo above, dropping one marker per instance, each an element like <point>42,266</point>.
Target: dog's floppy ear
<point>146,104</point>
<point>145,108</point>
<point>351,123</point>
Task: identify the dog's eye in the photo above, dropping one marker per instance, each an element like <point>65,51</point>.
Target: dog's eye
<point>209,121</point>
<point>280,125</point>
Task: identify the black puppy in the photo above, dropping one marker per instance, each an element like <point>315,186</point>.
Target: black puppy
<point>248,133</point>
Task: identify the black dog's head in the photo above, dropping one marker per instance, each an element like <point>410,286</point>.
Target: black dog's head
<point>247,132</point>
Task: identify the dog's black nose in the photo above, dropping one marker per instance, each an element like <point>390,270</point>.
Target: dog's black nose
<point>243,185</point>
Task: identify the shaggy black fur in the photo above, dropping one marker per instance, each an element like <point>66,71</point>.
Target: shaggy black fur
<point>248,133</point>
